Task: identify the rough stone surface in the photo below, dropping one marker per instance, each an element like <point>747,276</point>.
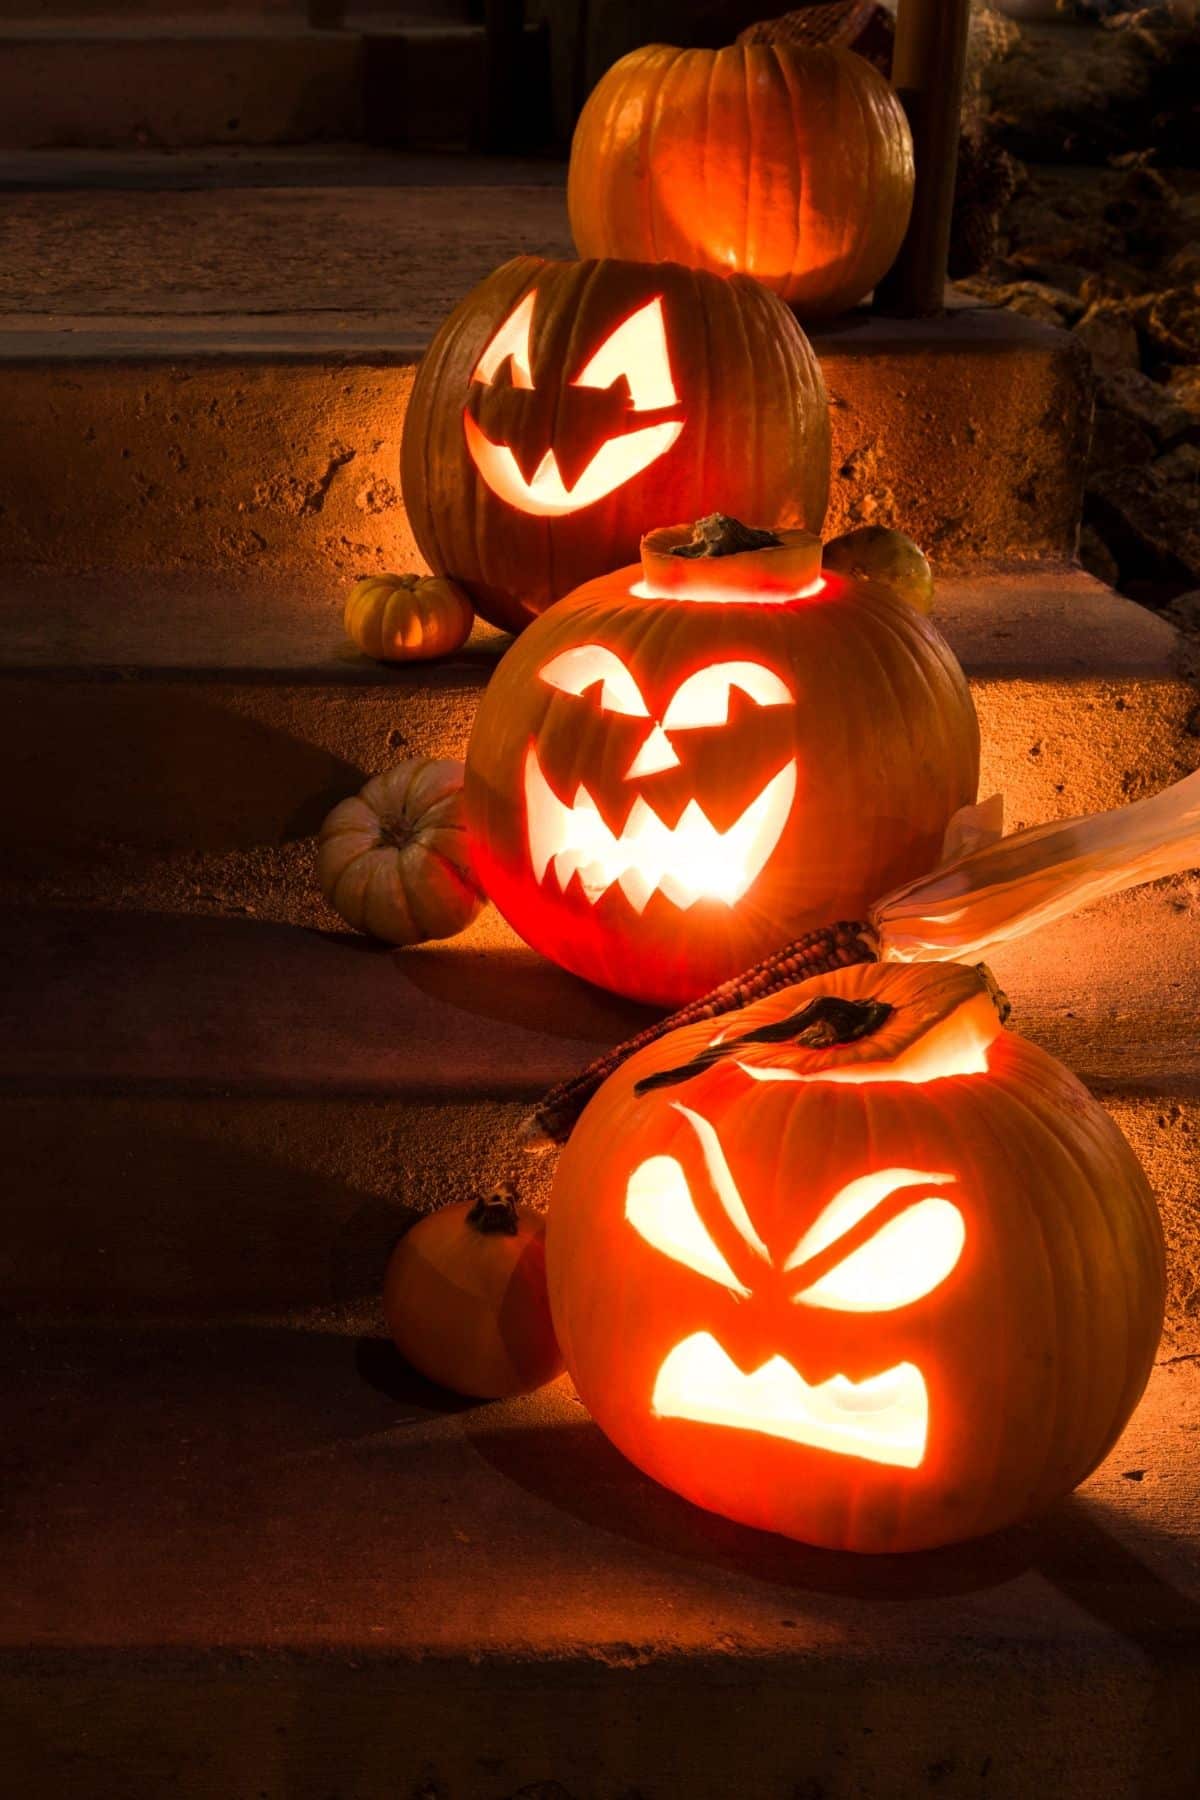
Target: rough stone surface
<point>232,465</point>
<point>1111,246</point>
<point>226,716</point>
<point>1149,515</point>
<point>269,1561</point>
<point>1127,394</point>
<point>1183,385</point>
<point>362,238</point>
<point>1109,334</point>
<point>1007,408</point>
<point>220,1113</point>
<point>1073,93</point>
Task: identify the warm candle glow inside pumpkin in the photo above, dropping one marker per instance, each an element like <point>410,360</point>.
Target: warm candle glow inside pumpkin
<point>884,1419</point>
<point>691,860</point>
<point>635,352</point>
<point>906,1257</point>
<point>729,596</point>
<point>957,1046</point>
<point>545,494</point>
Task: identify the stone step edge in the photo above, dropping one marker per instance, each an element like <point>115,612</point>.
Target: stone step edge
<point>308,335</point>
<point>1015,620</point>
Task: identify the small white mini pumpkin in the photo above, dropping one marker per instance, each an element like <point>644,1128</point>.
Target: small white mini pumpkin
<point>394,860</point>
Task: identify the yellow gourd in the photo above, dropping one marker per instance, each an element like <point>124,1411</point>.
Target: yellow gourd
<point>407,618</point>
<point>872,553</point>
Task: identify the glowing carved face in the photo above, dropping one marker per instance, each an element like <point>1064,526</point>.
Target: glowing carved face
<point>882,1242</point>
<point>634,351</point>
<point>691,860</point>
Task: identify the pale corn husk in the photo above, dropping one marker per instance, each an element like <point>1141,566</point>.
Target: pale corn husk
<point>996,888</point>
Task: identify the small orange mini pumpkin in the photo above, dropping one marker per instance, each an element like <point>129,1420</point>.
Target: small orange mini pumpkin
<point>689,762</point>
<point>407,618</point>
<point>395,860</point>
<point>855,1264</point>
<point>788,163</point>
<point>562,405</point>
<point>465,1298</point>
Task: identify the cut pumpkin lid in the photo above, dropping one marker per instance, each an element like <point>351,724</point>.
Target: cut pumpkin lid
<point>719,558</point>
<point>870,1022</point>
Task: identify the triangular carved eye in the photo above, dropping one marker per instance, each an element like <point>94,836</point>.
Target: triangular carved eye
<point>703,699</point>
<point>511,341</point>
<point>574,671</point>
<point>637,350</point>
<point>659,1206</point>
<point>908,1257</point>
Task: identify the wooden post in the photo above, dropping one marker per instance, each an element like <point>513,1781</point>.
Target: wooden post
<point>927,72</point>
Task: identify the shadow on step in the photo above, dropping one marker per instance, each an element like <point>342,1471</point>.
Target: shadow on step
<point>154,1002</point>
<point>166,763</point>
<point>1074,1547</point>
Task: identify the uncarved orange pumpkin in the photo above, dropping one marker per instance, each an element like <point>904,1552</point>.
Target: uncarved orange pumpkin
<point>564,406</point>
<point>687,763</point>
<point>465,1298</point>
<point>791,164</point>
<point>856,1265</point>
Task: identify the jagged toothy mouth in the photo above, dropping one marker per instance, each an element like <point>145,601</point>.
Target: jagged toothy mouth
<point>689,861</point>
<point>884,1419</point>
<point>545,494</point>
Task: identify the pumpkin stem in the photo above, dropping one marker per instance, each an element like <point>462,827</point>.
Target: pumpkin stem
<point>719,535</point>
<point>396,833</point>
<point>496,1213</point>
<point>824,1022</point>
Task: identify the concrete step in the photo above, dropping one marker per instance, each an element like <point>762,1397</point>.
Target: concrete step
<point>231,368</point>
<point>257,1561</point>
<point>252,75</point>
<point>354,13</point>
<point>216,79</point>
<point>217,716</point>
<point>213,1116</point>
<point>30,13</point>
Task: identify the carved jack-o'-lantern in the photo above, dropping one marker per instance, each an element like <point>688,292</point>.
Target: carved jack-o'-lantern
<point>686,763</point>
<point>562,406</point>
<point>859,1266</point>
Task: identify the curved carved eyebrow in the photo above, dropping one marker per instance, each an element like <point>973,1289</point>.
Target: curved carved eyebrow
<point>512,339</point>
<point>703,699</point>
<point>574,671</point>
<point>724,1186</point>
<point>854,1202</point>
<point>636,349</point>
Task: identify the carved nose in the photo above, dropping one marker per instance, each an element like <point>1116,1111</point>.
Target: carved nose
<point>656,754</point>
